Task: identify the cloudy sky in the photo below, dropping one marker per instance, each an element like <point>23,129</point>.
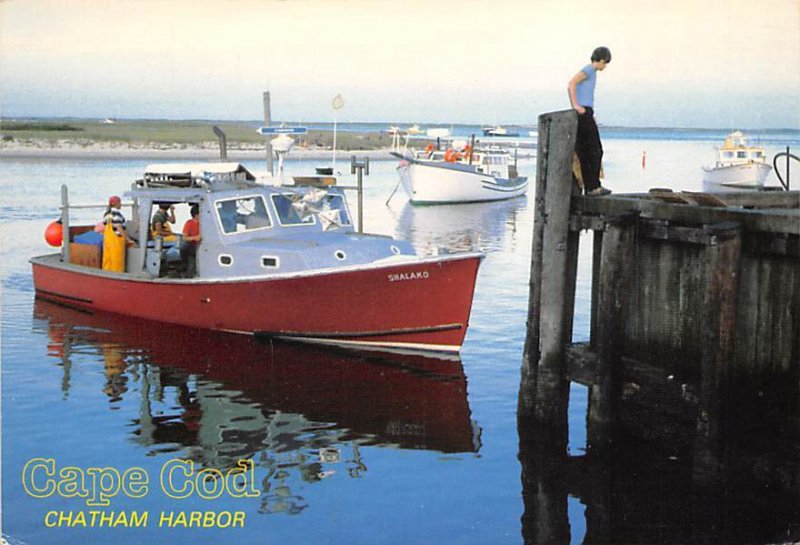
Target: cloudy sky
<point>684,63</point>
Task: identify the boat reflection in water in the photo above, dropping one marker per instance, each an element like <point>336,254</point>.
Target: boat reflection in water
<point>460,227</point>
<point>217,398</point>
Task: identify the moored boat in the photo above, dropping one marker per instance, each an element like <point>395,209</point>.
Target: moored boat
<point>738,166</point>
<point>497,130</point>
<point>281,261</point>
<point>470,175</point>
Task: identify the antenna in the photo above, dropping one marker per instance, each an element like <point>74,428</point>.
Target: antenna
<point>337,103</point>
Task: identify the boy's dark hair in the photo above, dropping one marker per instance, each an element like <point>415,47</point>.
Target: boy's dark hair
<point>194,210</point>
<point>601,54</point>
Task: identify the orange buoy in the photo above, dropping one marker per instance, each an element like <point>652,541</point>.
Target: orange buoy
<point>54,234</point>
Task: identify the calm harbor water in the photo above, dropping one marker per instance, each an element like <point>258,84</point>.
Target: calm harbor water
<point>345,447</point>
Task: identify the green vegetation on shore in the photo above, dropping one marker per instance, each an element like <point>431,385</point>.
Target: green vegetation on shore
<point>165,132</point>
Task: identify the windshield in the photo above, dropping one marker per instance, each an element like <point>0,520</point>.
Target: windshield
<point>242,214</point>
<point>292,211</point>
<point>337,202</point>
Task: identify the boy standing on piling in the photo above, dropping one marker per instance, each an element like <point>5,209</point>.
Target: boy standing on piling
<point>588,145</point>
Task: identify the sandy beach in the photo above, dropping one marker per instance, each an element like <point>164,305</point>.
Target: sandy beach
<point>206,151</point>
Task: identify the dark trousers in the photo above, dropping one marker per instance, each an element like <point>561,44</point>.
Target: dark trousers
<point>189,259</point>
<point>589,150</point>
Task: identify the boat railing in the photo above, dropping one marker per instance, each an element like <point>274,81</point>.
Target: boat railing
<point>789,156</point>
<point>70,231</point>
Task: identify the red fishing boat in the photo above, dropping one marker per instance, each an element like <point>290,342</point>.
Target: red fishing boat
<point>282,261</point>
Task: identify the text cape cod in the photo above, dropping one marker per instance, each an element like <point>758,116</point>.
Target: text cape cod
<point>98,486</point>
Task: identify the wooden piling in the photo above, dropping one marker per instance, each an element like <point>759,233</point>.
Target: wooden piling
<point>544,389</point>
<point>616,264</point>
<point>718,323</point>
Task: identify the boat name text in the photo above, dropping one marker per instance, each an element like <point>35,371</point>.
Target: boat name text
<point>416,275</point>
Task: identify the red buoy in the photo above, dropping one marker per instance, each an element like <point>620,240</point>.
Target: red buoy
<point>54,234</point>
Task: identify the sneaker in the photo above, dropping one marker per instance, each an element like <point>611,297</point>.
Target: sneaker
<point>598,192</point>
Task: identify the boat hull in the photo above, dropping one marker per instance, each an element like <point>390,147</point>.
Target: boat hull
<point>420,305</point>
<point>745,176</point>
<point>438,184</point>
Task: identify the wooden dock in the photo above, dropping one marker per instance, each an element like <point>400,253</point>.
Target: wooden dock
<point>695,314</point>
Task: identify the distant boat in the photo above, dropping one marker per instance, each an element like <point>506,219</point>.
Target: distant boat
<point>738,166</point>
<point>109,121</point>
<point>497,130</point>
<point>438,177</point>
<point>413,129</point>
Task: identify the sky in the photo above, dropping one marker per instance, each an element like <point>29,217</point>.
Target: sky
<point>679,63</point>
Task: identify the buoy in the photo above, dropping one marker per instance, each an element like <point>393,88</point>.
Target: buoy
<point>54,234</point>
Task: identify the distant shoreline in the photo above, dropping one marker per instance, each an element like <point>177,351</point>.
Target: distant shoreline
<point>205,152</point>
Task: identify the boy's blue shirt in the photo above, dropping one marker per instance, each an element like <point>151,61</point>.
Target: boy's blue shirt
<point>584,91</point>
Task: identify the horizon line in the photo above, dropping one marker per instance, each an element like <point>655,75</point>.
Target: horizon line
<point>387,123</point>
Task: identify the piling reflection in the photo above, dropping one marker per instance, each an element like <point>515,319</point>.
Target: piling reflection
<point>639,482</point>
<point>217,398</point>
<point>480,227</point>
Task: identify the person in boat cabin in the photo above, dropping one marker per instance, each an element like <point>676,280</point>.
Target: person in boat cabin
<point>191,238</point>
<point>161,221</point>
<point>587,145</point>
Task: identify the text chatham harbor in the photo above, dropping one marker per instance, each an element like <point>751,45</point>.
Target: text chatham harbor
<point>98,486</point>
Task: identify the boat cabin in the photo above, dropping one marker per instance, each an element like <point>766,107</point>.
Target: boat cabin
<point>736,150</point>
<point>247,228</point>
<point>495,162</point>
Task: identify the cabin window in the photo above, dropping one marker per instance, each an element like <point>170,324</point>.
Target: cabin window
<point>741,155</point>
<point>337,202</point>
<point>225,260</point>
<point>270,262</point>
<point>242,214</point>
<point>292,212</point>
<point>727,154</point>
<point>758,154</point>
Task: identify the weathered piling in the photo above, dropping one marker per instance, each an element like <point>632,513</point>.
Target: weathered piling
<point>718,320</point>
<point>544,390</point>
<point>694,347</point>
<point>617,250</point>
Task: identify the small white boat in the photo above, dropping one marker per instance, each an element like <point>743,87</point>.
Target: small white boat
<point>437,177</point>
<point>497,131</point>
<point>738,166</point>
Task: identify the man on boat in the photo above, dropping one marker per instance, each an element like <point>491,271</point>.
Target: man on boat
<point>161,221</point>
<point>191,238</point>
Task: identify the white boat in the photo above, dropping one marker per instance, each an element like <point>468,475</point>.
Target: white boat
<point>738,166</point>
<point>437,177</point>
<point>497,130</point>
